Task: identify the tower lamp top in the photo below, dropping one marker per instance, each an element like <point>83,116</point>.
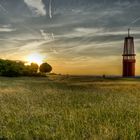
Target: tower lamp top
<point>128,32</point>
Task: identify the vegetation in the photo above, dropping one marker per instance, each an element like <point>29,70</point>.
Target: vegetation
<point>69,108</point>
<point>18,68</point>
<point>45,68</point>
<point>34,67</point>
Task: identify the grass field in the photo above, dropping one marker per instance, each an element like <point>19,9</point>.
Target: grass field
<point>69,108</point>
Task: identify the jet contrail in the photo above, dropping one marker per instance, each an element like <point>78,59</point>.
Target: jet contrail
<point>50,9</point>
<point>134,21</point>
<point>23,25</point>
<point>3,9</point>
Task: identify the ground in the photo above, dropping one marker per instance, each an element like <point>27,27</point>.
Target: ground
<point>69,108</point>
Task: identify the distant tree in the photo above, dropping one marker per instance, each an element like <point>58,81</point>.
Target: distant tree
<point>104,76</point>
<point>34,67</point>
<point>27,70</point>
<point>45,68</point>
<point>11,68</point>
<point>31,70</point>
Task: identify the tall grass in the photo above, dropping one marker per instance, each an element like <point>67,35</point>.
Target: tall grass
<point>69,109</point>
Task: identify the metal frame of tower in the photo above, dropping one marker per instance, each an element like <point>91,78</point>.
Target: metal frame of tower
<point>129,56</point>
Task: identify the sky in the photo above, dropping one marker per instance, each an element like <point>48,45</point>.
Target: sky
<point>74,36</point>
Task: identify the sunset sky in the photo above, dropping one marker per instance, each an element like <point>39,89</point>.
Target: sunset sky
<point>74,36</point>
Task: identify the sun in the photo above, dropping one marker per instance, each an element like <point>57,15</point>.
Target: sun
<point>35,58</point>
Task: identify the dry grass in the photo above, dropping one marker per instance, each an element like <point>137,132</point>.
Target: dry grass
<point>69,108</point>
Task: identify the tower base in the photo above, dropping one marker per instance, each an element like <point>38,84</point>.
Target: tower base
<point>129,68</point>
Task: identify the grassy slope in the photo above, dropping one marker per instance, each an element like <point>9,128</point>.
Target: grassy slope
<point>69,108</point>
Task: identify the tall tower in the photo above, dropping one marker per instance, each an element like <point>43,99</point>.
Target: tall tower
<point>129,56</point>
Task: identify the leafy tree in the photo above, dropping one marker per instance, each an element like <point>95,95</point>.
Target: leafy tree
<point>12,68</point>
<point>45,68</point>
<point>31,70</point>
<point>34,67</point>
<point>27,70</point>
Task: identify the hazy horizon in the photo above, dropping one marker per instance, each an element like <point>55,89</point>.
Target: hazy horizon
<point>75,36</point>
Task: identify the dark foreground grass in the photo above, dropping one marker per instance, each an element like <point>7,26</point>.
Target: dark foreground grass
<point>69,108</point>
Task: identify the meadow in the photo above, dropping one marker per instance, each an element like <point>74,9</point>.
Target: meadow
<point>69,108</point>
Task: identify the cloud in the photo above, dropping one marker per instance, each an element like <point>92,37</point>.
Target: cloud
<point>36,6</point>
<point>31,46</point>
<point>80,30</point>
<point>47,36</point>
<point>6,28</point>
<point>50,8</point>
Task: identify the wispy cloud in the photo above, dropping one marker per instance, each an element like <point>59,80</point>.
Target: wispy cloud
<point>36,6</point>
<point>72,32</point>
<point>31,46</point>
<point>47,36</point>
<point>6,28</point>
<point>50,9</point>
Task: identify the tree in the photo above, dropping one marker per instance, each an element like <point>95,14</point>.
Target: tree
<point>31,70</point>
<point>34,67</point>
<point>11,68</point>
<point>45,68</point>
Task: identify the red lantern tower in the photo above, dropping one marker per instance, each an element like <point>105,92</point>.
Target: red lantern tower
<point>129,57</point>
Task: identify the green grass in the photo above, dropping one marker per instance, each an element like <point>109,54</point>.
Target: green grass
<point>69,108</point>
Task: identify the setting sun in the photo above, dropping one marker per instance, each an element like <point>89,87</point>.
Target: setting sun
<point>35,58</point>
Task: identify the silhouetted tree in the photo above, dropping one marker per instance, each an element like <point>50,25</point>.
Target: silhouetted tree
<point>31,70</point>
<point>45,68</point>
<point>27,71</point>
<point>34,67</point>
<point>12,68</point>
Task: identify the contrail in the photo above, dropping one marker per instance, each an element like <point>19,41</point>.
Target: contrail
<point>3,9</point>
<point>134,21</point>
<point>23,25</point>
<point>50,9</point>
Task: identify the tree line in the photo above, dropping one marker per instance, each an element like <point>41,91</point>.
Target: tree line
<point>11,68</point>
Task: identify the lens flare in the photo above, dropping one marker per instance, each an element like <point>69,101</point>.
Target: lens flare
<point>35,58</point>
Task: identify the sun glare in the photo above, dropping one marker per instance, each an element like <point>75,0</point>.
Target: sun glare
<point>35,58</point>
